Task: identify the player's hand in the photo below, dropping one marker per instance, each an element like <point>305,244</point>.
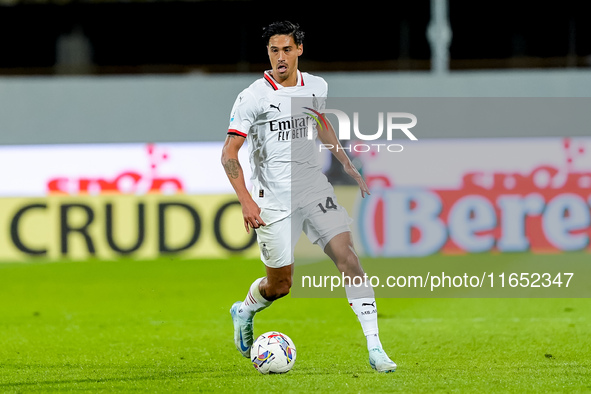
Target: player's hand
<point>353,173</point>
<point>252,215</point>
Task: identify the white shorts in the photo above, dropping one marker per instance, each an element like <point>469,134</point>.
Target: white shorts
<point>320,221</point>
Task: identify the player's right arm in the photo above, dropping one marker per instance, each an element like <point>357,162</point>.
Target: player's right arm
<point>250,210</point>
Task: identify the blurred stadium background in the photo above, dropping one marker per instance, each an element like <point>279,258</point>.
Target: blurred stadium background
<point>104,98</point>
<point>97,37</point>
<point>129,102</point>
<point>112,116</point>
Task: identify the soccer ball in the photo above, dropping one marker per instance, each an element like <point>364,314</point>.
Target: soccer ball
<point>273,352</point>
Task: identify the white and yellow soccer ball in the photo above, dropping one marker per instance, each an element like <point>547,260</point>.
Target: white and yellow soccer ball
<point>273,352</point>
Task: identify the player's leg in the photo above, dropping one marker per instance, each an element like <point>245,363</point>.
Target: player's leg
<point>261,294</point>
<point>277,283</point>
<point>359,293</point>
<point>263,291</point>
<point>329,228</point>
<point>360,296</point>
<point>277,254</point>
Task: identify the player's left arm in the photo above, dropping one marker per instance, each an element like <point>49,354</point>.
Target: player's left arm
<point>328,137</point>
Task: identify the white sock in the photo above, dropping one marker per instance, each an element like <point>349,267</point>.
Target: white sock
<point>254,301</point>
<point>373,340</point>
<point>363,302</point>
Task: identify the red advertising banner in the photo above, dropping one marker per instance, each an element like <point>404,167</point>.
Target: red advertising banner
<point>460,196</point>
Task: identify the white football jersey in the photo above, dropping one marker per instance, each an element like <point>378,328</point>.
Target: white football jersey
<point>286,171</point>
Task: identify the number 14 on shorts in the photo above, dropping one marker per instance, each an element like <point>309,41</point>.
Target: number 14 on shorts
<point>329,204</point>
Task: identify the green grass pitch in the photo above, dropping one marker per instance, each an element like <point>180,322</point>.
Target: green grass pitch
<point>164,326</point>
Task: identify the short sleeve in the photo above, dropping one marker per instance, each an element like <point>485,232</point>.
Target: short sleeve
<point>243,114</point>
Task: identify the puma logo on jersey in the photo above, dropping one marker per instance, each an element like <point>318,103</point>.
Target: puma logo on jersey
<point>276,107</point>
<point>369,304</point>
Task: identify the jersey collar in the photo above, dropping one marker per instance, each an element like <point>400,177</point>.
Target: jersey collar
<point>277,86</point>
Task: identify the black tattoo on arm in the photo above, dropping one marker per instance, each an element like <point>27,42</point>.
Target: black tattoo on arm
<point>232,168</point>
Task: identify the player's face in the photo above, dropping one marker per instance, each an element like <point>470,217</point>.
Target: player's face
<point>283,54</point>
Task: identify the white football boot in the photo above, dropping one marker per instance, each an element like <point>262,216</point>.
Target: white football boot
<point>379,360</point>
<point>243,336</point>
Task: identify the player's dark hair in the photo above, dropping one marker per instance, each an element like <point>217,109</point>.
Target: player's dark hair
<point>283,28</point>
